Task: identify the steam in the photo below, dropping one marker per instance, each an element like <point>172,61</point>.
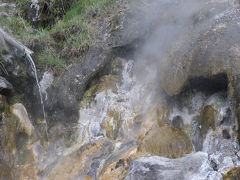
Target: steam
<point>166,26</point>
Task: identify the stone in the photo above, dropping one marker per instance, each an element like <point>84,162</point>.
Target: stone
<point>232,174</point>
<point>107,82</point>
<point>118,167</point>
<point>167,142</point>
<point>112,124</point>
<point>20,112</point>
<point>155,167</point>
<point>207,119</point>
<point>212,50</point>
<point>5,85</point>
<point>63,100</point>
<point>83,163</point>
<point>5,172</point>
<point>177,122</point>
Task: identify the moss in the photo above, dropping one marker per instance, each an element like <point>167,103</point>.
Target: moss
<point>107,82</point>
<point>88,96</point>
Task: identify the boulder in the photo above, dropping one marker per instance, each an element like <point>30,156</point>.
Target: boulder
<point>5,85</point>
<point>63,99</point>
<point>107,82</point>
<point>5,172</point>
<point>21,115</point>
<point>166,141</point>
<point>83,163</point>
<point>155,167</point>
<point>205,122</point>
<point>232,174</point>
<point>213,50</point>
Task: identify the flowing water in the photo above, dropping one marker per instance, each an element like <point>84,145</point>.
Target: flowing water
<point>34,69</point>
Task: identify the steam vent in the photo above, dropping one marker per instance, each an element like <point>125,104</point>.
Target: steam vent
<point>119,90</point>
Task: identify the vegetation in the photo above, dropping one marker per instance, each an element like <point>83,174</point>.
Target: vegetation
<point>64,39</point>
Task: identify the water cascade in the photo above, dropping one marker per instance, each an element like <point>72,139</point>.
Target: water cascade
<point>27,52</point>
<point>34,69</point>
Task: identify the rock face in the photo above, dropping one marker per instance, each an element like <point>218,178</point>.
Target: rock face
<point>5,85</point>
<point>63,101</point>
<point>5,172</point>
<point>155,167</point>
<point>233,173</point>
<point>213,52</point>
<point>107,123</point>
<point>23,120</point>
<point>166,141</point>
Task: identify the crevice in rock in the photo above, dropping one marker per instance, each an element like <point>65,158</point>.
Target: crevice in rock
<point>208,85</point>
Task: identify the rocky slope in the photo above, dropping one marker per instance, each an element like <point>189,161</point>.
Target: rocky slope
<point>154,96</point>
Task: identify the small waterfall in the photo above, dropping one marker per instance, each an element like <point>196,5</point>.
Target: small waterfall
<point>33,66</point>
<point>27,52</point>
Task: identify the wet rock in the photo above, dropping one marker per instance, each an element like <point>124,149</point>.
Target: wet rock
<point>3,103</point>
<point>4,84</point>
<point>117,165</point>
<point>227,117</point>
<point>154,167</point>
<point>232,174</point>
<point>112,124</point>
<point>63,100</point>
<point>202,124</point>
<point>155,117</point>
<point>177,122</point>
<point>225,134</point>
<point>80,164</point>
<point>215,50</point>
<point>20,112</point>
<point>5,172</point>
<point>166,141</point>
<point>207,119</point>
<point>46,82</point>
<point>108,82</point>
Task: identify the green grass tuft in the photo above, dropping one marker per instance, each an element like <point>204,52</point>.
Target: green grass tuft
<point>49,57</point>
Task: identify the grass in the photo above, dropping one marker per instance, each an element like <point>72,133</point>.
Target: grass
<point>76,27</point>
<point>48,57</point>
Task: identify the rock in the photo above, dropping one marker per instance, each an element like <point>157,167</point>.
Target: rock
<point>107,82</point>
<point>46,82</point>
<point>20,112</point>
<point>207,119</point>
<point>177,122</point>
<point>7,5</point>
<point>205,122</point>
<point>117,165</point>
<point>5,85</point>
<point>154,167</point>
<point>156,116</point>
<point>3,103</point>
<point>232,174</point>
<point>213,51</point>
<point>5,172</point>
<point>83,163</point>
<point>50,11</point>
<point>225,134</point>
<point>166,141</point>
<point>112,124</point>
<point>63,100</point>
